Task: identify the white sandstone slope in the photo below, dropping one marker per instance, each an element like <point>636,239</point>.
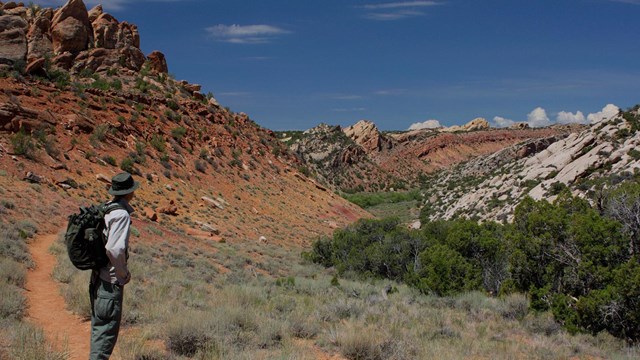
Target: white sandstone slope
<point>489,188</point>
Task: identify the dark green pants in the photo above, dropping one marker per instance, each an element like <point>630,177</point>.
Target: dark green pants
<point>105,318</point>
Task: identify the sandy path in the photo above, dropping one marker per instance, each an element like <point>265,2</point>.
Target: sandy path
<point>47,308</point>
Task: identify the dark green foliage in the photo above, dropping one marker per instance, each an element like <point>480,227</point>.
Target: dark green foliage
<point>178,133</point>
<point>23,144</point>
<point>101,84</point>
<point>365,200</point>
<point>578,262</point>
<point>127,165</point>
<point>109,160</point>
<point>158,143</point>
<point>446,272</point>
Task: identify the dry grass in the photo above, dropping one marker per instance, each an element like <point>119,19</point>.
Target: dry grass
<point>177,308</point>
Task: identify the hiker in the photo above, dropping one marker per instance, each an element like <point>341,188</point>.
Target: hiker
<point>108,282</point>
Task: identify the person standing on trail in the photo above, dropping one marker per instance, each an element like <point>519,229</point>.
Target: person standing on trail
<point>107,283</point>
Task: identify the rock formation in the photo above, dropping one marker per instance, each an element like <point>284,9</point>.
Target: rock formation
<point>476,124</point>
<point>74,38</point>
<point>366,134</point>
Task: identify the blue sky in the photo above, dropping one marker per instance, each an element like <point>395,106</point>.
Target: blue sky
<point>292,64</point>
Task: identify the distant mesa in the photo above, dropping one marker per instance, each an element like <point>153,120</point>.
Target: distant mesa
<point>70,38</point>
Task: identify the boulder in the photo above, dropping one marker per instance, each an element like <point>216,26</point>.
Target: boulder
<point>210,201</point>
<point>33,178</point>
<point>10,5</point>
<point>71,29</point>
<point>13,39</point>
<point>35,66</point>
<point>64,60</point>
<point>170,209</point>
<point>38,37</point>
<point>150,214</point>
<point>207,227</point>
<point>133,58</point>
<point>103,178</point>
<point>79,122</point>
<point>192,87</point>
<point>157,62</point>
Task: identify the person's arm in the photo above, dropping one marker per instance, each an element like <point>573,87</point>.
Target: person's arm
<point>117,242</point>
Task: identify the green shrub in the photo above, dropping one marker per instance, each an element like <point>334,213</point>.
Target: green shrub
<point>109,160</point>
<point>158,143</point>
<point>127,165</point>
<point>23,144</point>
<point>99,134</point>
<point>446,272</point>
<point>178,133</point>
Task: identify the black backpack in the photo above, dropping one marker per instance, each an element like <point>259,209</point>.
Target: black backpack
<point>84,238</point>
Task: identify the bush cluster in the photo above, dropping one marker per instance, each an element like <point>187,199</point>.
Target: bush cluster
<point>578,262</point>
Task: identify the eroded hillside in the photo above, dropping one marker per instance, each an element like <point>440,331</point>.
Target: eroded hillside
<point>362,158</point>
<point>80,103</point>
<point>490,187</point>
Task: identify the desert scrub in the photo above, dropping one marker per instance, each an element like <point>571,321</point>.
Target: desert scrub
<point>12,303</point>
<point>23,144</point>
<point>29,342</point>
<point>12,272</point>
<point>13,241</point>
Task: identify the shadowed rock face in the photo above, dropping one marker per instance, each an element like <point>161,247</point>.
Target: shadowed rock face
<point>13,38</point>
<point>74,38</point>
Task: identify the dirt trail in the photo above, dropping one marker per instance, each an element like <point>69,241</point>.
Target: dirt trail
<point>47,307</point>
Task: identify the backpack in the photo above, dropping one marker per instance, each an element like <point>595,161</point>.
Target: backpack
<point>84,236</point>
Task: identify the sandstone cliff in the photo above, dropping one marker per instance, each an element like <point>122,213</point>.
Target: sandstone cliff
<point>490,187</point>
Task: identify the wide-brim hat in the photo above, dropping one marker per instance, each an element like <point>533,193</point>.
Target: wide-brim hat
<point>123,184</point>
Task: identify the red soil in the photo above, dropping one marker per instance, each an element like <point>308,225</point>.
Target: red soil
<point>47,307</point>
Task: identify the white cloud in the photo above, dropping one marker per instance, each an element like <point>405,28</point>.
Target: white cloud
<point>634,2</point>
<point>429,124</point>
<point>501,122</point>
<point>350,110</point>
<point>404,4</point>
<point>607,112</point>
<point>348,97</point>
<point>245,34</point>
<point>391,92</point>
<point>565,117</point>
<point>396,10</point>
<point>538,118</point>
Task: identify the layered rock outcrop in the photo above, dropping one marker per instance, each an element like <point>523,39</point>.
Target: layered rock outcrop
<point>476,124</point>
<point>72,37</point>
<point>366,134</point>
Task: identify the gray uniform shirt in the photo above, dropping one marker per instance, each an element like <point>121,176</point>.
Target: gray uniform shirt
<point>117,229</point>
